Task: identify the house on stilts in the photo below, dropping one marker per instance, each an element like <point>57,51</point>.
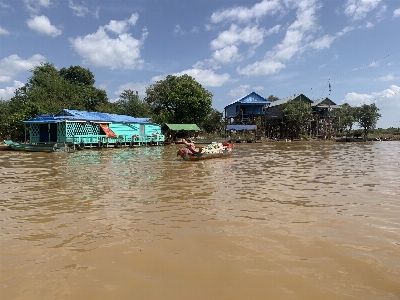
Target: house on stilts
<point>243,115</point>
<point>93,129</point>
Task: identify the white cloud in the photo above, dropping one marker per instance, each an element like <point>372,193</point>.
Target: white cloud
<point>389,98</point>
<point>265,67</point>
<point>35,5</point>
<point>140,87</point>
<point>96,13</point>
<point>381,12</point>
<point>244,14</point>
<point>119,27</point>
<point>3,31</point>
<point>344,31</point>
<point>4,5</point>
<point>227,55</point>
<point>12,65</point>
<point>358,99</point>
<point>293,42</point>
<point>8,92</point>
<point>207,77</point>
<point>358,9</point>
<point>369,25</point>
<point>42,24</point>
<point>227,42</point>
<point>236,36</point>
<point>388,102</point>
<point>178,30</point>
<point>396,13</point>
<point>243,90</point>
<point>323,42</point>
<point>240,91</point>
<point>79,10</point>
<point>100,50</point>
<point>388,77</point>
<point>374,64</point>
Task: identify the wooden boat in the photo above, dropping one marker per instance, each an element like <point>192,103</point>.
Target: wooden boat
<point>5,148</point>
<point>224,151</point>
<point>208,141</point>
<point>35,147</point>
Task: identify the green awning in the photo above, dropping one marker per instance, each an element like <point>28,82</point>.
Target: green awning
<point>177,127</point>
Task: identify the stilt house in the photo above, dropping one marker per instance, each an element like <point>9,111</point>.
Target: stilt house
<point>246,109</point>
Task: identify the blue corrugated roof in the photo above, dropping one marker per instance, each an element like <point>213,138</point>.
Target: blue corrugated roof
<point>252,98</point>
<point>79,115</point>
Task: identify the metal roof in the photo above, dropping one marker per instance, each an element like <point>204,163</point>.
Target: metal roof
<point>321,100</point>
<point>241,127</point>
<point>183,127</point>
<point>285,100</point>
<point>252,98</point>
<point>79,115</point>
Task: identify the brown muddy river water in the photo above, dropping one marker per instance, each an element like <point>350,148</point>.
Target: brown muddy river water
<point>296,220</point>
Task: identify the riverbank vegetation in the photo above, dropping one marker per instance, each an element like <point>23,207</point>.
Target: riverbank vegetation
<point>175,100</point>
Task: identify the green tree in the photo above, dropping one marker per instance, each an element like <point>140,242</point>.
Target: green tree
<point>272,98</point>
<point>367,116</point>
<point>70,88</point>
<point>213,123</point>
<point>48,91</point>
<point>297,116</point>
<point>78,75</point>
<point>179,100</point>
<point>130,104</point>
<point>345,118</point>
<point>82,81</point>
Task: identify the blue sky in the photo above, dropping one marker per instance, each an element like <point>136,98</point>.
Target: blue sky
<point>231,47</point>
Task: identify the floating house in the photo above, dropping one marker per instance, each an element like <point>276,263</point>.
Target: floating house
<point>83,128</point>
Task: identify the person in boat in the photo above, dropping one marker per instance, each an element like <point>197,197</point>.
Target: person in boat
<point>190,146</point>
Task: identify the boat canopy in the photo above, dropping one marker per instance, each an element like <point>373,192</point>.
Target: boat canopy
<point>176,127</point>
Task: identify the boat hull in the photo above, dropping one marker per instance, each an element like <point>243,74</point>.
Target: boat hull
<point>202,156</point>
<point>34,147</point>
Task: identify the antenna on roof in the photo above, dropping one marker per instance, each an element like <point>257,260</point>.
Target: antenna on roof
<point>329,81</point>
<point>329,87</point>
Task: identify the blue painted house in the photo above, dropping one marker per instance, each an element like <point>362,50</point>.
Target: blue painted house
<point>244,110</point>
<point>83,128</point>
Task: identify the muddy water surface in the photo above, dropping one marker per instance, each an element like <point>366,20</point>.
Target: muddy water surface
<point>274,221</point>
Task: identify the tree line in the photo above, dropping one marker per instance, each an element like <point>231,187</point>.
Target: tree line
<point>175,100</point>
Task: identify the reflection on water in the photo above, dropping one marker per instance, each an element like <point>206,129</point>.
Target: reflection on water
<point>287,220</point>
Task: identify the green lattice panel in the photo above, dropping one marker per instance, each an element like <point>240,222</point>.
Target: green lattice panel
<point>86,129</point>
<point>34,133</point>
<point>61,131</point>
